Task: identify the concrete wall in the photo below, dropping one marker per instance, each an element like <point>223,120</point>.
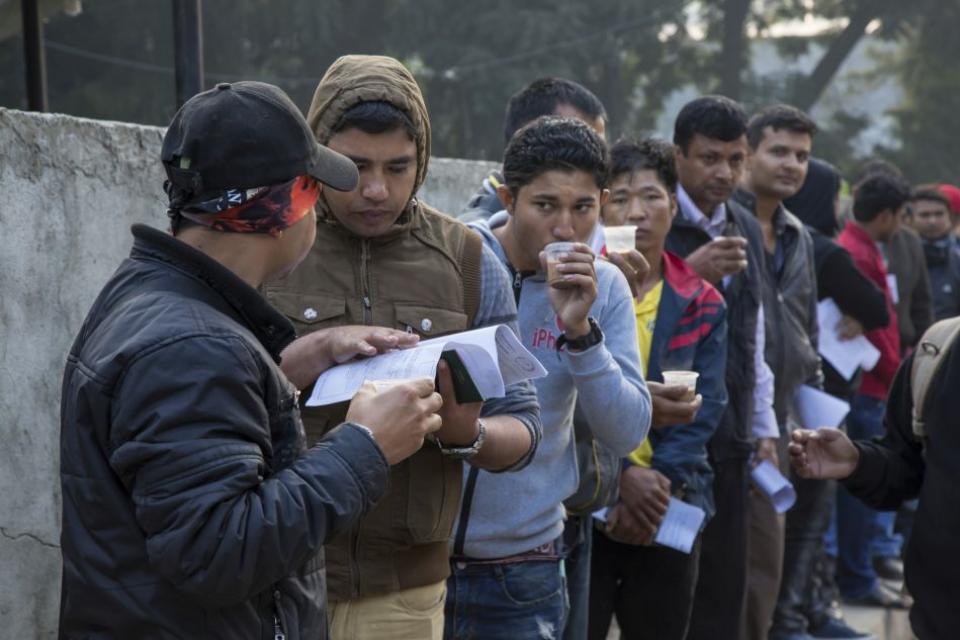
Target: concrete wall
<point>69,191</point>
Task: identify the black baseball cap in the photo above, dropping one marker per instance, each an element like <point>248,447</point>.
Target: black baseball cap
<point>244,135</point>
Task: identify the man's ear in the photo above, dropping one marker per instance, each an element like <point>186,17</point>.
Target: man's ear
<point>604,196</point>
<point>506,197</point>
<point>673,205</point>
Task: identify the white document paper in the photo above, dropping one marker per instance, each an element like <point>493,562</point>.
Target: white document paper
<point>894,289</point>
<point>844,355</point>
<point>680,526</point>
<point>769,480</point>
<point>817,408</point>
<point>493,356</point>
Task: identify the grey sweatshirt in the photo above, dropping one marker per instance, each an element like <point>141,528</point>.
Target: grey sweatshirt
<point>511,513</point>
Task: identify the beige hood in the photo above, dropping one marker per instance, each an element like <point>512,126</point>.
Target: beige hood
<point>355,79</point>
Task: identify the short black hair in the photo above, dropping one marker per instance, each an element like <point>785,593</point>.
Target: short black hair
<point>931,193</point>
<point>628,155</point>
<point>374,117</point>
<point>872,167</point>
<point>779,117</point>
<point>879,192</point>
<point>552,143</point>
<point>542,97</point>
<point>716,117</point>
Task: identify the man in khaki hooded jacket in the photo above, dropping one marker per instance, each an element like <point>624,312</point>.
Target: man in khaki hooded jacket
<point>383,258</point>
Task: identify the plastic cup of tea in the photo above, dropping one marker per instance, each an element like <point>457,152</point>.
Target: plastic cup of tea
<point>620,239</point>
<point>686,379</point>
<point>553,251</point>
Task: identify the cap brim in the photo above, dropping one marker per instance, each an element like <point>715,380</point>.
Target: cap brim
<point>334,169</point>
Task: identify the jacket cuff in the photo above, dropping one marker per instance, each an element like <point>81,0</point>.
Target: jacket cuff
<point>868,471</point>
<point>354,444</point>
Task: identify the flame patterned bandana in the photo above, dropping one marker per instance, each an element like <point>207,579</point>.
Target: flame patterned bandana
<point>259,210</point>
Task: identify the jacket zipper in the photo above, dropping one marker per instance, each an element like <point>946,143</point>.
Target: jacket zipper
<point>278,622</point>
<point>355,565</point>
<point>364,282</point>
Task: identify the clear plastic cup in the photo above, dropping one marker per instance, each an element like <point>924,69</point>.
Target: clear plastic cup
<point>620,239</point>
<point>553,252</point>
<point>686,379</point>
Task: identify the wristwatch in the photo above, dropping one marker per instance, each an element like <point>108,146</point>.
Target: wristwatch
<point>464,453</point>
<point>594,337</point>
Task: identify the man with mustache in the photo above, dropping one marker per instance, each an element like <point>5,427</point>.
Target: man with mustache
<point>722,241</point>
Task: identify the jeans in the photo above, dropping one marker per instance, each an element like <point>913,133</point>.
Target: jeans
<point>650,589</point>
<point>508,601</point>
<point>578,535</point>
<point>857,524</point>
<point>887,543</point>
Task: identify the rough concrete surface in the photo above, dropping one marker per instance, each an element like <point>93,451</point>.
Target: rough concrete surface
<point>71,188</point>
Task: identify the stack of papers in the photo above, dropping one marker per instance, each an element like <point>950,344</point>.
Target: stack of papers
<point>483,362</point>
<point>843,355</point>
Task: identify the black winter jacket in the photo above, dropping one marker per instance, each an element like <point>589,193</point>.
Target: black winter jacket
<point>901,468</point>
<point>743,295</point>
<point>191,508</point>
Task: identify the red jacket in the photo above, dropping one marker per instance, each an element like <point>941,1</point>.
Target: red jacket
<point>868,259</point>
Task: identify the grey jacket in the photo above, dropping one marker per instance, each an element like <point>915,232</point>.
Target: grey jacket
<point>790,309</point>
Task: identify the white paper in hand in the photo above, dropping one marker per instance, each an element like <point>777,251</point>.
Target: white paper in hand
<point>493,356</point>
<point>680,526</point>
<point>843,355</point>
<point>769,480</point>
<point>817,408</point>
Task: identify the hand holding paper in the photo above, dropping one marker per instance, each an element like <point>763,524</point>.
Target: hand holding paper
<point>817,409</point>
<point>484,361</point>
<point>844,355</point>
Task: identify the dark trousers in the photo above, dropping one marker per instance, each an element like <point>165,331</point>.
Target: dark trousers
<point>722,583</point>
<point>807,522</point>
<point>650,589</point>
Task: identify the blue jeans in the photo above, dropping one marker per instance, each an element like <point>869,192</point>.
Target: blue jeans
<point>579,537</point>
<point>516,601</point>
<point>887,543</point>
<point>858,524</point>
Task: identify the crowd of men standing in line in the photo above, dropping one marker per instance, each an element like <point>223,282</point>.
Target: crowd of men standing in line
<point>203,499</point>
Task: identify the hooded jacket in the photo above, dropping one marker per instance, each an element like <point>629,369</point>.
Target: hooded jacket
<point>428,274</point>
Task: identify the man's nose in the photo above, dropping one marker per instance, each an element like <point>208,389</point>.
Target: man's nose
<point>375,188</point>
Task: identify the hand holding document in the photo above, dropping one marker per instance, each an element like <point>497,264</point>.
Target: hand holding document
<point>816,408</point>
<point>482,362</point>
<point>679,527</point>
<point>843,355</point>
<point>772,483</point>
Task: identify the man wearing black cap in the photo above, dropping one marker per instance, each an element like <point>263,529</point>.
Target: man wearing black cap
<point>191,505</point>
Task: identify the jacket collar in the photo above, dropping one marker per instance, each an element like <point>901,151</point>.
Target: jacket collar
<point>680,276</point>
<point>782,219</point>
<point>270,327</point>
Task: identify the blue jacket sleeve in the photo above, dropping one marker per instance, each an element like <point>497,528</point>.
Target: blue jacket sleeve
<point>679,452</point>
